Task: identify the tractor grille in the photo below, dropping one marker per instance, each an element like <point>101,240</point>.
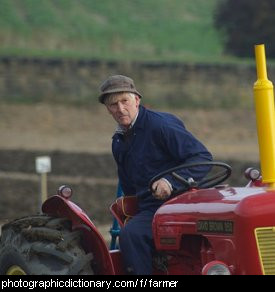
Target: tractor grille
<point>266,246</point>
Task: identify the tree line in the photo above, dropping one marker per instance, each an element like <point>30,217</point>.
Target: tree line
<point>244,23</point>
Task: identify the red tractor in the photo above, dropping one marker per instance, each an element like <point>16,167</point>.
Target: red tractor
<point>206,228</point>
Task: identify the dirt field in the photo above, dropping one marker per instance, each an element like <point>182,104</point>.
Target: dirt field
<point>228,134</point>
<point>78,141</point>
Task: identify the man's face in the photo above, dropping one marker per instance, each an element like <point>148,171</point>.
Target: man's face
<point>123,107</point>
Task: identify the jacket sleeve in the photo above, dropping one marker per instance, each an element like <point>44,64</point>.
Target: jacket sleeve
<point>183,147</point>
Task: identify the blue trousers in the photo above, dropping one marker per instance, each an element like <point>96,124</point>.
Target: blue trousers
<point>136,243</point>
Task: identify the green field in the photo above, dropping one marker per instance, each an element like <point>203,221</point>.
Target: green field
<point>165,30</point>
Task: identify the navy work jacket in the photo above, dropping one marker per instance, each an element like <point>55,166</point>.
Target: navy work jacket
<point>157,141</point>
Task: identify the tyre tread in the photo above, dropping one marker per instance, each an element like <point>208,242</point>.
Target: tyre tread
<point>45,245</point>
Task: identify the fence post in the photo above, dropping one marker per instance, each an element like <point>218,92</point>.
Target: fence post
<point>43,166</point>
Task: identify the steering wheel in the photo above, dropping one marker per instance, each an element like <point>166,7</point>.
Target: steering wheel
<point>210,180</point>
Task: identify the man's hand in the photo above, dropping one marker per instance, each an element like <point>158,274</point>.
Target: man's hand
<point>161,189</point>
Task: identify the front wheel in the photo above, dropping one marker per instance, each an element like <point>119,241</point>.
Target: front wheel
<point>42,245</point>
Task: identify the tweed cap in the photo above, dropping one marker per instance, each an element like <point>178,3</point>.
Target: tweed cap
<point>117,83</point>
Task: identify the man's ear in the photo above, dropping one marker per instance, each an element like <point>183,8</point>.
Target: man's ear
<point>137,100</point>
<point>108,109</point>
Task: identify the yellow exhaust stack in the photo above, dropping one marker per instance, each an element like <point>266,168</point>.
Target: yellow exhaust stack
<point>265,117</point>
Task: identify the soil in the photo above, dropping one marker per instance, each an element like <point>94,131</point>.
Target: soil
<point>228,134</point>
<point>78,140</point>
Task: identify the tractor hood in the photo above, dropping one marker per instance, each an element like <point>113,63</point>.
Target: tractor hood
<point>218,211</point>
<point>210,202</point>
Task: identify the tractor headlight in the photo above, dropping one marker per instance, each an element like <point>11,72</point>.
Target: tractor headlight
<point>65,192</point>
<point>216,268</point>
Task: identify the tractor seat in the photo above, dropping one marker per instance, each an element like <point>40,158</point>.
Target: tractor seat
<point>124,208</point>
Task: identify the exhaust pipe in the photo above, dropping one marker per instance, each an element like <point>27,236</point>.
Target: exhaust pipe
<point>265,118</point>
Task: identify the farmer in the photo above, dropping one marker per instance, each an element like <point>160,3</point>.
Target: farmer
<point>144,144</point>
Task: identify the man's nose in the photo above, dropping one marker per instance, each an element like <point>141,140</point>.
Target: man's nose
<point>120,106</point>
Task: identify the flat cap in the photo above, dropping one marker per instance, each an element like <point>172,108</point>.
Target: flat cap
<point>117,83</point>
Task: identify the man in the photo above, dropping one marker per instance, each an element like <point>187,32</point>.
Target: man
<point>146,143</point>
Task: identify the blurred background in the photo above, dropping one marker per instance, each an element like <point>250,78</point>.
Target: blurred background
<point>192,58</point>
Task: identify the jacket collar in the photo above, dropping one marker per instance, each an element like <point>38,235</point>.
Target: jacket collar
<point>140,122</point>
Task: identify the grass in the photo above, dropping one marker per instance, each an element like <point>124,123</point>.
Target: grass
<point>122,30</point>
<point>179,30</point>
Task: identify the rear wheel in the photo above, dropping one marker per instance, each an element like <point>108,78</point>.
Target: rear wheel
<point>42,245</point>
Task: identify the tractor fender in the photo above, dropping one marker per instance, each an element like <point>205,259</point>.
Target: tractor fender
<point>60,207</point>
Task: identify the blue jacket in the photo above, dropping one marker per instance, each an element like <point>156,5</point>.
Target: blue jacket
<point>158,141</point>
